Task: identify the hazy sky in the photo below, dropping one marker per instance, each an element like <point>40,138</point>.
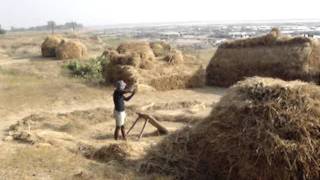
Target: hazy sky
<point>22,13</point>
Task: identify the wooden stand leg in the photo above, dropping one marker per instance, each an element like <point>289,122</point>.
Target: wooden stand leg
<point>141,133</point>
<point>133,125</point>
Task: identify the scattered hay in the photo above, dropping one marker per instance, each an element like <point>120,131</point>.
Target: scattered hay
<point>25,137</point>
<point>179,81</point>
<point>48,47</point>
<point>160,48</point>
<point>174,105</point>
<point>70,49</point>
<point>119,152</point>
<point>174,57</point>
<point>268,56</point>
<point>141,88</point>
<point>262,128</point>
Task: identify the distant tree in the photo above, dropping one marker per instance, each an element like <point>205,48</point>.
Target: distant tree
<point>51,25</point>
<point>72,25</point>
<point>2,31</point>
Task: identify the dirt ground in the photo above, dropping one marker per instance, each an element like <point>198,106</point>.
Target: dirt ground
<point>57,127</point>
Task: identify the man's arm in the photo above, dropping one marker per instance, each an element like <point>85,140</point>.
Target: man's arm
<point>129,97</point>
<point>126,91</point>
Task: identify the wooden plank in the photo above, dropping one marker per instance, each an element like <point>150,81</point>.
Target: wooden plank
<point>141,133</point>
<point>161,129</point>
<point>133,125</point>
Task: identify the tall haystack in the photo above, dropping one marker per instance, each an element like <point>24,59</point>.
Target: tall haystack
<point>262,129</point>
<point>139,47</point>
<point>49,45</point>
<point>71,49</point>
<point>272,55</point>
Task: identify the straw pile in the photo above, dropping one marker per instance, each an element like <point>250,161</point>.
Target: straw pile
<point>160,48</point>
<point>119,152</point>
<point>179,80</point>
<point>48,47</point>
<point>141,48</point>
<point>114,73</point>
<point>174,57</point>
<point>70,49</point>
<point>262,128</point>
<point>271,55</point>
<point>135,63</point>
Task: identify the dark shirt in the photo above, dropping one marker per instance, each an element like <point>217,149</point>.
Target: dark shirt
<point>118,99</point>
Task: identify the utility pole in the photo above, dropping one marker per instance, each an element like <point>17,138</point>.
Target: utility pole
<point>73,26</point>
<point>51,25</point>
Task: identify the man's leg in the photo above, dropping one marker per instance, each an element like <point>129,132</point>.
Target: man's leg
<point>116,133</point>
<point>123,132</point>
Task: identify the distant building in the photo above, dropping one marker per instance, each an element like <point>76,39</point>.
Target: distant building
<point>169,34</point>
<point>239,35</point>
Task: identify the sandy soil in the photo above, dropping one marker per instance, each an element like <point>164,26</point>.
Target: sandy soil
<point>49,120</point>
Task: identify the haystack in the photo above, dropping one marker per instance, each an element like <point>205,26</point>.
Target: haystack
<point>272,55</point>
<point>70,49</point>
<point>134,63</point>
<point>48,47</point>
<point>262,128</point>
<point>114,72</point>
<point>132,59</point>
<point>174,57</point>
<point>141,48</point>
<point>160,48</point>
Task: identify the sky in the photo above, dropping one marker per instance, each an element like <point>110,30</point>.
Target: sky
<point>25,13</point>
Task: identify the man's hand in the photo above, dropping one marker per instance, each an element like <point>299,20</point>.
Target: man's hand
<point>134,91</point>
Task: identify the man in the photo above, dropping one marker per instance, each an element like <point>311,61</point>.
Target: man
<point>119,107</point>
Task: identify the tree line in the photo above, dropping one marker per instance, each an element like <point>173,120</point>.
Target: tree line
<point>2,31</point>
<point>50,26</point>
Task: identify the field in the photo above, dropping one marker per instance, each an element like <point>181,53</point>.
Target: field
<point>54,126</point>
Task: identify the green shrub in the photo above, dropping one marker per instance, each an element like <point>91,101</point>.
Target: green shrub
<point>91,69</point>
<point>2,31</point>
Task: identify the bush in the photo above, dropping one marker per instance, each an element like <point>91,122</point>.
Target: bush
<point>89,69</point>
<point>2,31</point>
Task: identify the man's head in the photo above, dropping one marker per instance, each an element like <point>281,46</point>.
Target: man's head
<point>121,85</point>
